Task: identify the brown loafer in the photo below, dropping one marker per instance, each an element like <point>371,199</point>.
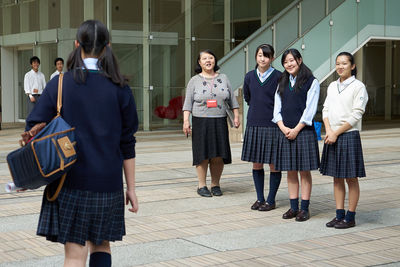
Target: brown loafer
<point>290,214</point>
<point>257,205</point>
<point>344,224</point>
<point>303,216</point>
<point>266,207</point>
<point>333,222</point>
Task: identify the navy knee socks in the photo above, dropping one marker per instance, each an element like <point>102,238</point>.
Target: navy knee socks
<point>258,177</point>
<point>350,216</point>
<point>340,214</point>
<point>294,204</point>
<point>305,204</point>
<point>100,259</point>
<point>274,182</point>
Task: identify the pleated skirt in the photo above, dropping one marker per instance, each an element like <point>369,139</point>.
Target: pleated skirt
<point>260,144</point>
<point>300,154</point>
<point>77,216</point>
<point>343,159</point>
<point>210,139</point>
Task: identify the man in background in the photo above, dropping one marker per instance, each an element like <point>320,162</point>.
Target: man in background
<point>34,83</point>
<point>59,63</point>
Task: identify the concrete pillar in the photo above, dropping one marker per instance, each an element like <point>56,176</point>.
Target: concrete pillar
<point>388,80</point>
<point>6,17</point>
<point>65,20</point>
<point>42,52</point>
<point>8,86</point>
<point>359,61</point>
<point>188,40</point>
<point>88,9</point>
<point>264,11</point>
<point>64,48</point>
<point>44,14</point>
<point>166,78</point>
<point>146,66</point>
<point>109,15</point>
<point>227,26</point>
<point>24,17</point>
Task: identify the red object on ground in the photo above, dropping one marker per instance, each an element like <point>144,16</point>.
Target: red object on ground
<point>172,111</point>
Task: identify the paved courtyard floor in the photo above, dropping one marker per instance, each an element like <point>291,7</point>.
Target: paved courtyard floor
<point>176,227</point>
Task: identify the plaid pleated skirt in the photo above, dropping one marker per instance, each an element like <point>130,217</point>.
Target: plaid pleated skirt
<point>343,159</point>
<point>210,139</point>
<point>79,216</point>
<point>260,144</point>
<point>300,154</point>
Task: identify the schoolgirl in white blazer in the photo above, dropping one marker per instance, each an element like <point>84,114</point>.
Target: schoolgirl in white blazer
<point>342,155</point>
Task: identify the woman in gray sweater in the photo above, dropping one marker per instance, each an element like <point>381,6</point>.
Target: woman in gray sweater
<point>208,95</point>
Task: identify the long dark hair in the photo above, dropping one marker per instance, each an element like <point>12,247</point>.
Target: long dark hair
<point>302,76</point>
<point>351,59</point>
<point>94,38</point>
<point>268,51</point>
<point>198,69</point>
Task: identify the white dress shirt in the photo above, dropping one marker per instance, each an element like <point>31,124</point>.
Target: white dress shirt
<point>345,102</point>
<point>55,74</point>
<point>265,75</point>
<point>34,83</point>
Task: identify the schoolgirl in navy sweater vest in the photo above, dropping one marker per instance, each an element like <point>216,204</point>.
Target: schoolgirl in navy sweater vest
<point>296,102</point>
<point>342,155</point>
<point>261,133</point>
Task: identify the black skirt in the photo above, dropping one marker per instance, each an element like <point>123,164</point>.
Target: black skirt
<point>300,154</point>
<point>210,139</point>
<point>79,216</point>
<point>260,144</point>
<point>344,158</point>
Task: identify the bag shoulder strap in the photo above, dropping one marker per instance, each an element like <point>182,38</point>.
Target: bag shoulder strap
<point>59,94</point>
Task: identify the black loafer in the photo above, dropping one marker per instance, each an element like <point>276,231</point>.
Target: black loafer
<point>204,192</point>
<point>266,207</point>
<point>257,205</point>
<point>302,216</point>
<point>216,191</point>
<point>290,214</point>
<point>333,222</point>
<point>345,224</point>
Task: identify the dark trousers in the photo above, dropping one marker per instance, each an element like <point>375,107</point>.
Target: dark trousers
<point>31,104</point>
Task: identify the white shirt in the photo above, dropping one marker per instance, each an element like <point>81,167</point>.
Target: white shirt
<point>91,63</point>
<point>345,102</point>
<point>311,103</point>
<point>265,75</point>
<point>34,82</point>
<point>55,74</point>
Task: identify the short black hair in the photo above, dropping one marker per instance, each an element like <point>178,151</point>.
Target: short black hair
<point>58,59</point>
<point>33,59</point>
<point>198,69</point>
<point>267,50</point>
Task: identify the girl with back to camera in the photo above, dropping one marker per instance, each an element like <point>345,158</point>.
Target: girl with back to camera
<point>342,155</point>
<point>260,138</point>
<point>296,102</point>
<point>89,211</point>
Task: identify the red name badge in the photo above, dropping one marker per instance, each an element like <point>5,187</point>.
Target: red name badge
<point>212,103</point>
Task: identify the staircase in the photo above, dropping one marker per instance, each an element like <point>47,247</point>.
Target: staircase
<point>319,30</point>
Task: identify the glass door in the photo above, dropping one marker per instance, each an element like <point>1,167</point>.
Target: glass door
<point>24,56</point>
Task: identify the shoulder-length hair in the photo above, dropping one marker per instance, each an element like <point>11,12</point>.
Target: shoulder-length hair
<point>302,76</point>
<point>94,38</point>
<point>197,68</point>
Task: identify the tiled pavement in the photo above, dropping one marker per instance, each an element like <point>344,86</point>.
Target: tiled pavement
<point>175,227</point>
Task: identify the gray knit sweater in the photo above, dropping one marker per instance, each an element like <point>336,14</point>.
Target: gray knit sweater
<point>200,89</point>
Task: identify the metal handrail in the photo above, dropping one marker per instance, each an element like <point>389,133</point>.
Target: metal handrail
<point>259,31</point>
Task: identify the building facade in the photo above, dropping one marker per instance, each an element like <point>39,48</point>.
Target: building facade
<point>157,43</point>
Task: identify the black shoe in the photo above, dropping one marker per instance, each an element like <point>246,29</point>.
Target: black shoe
<point>290,214</point>
<point>216,191</point>
<point>344,224</point>
<point>266,207</point>
<point>333,222</point>
<point>302,216</point>
<point>204,192</point>
<point>257,205</point>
